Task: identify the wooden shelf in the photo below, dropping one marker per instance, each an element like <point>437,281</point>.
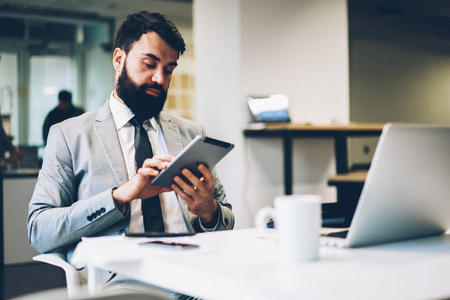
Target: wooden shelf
<point>350,127</point>
<point>352,177</point>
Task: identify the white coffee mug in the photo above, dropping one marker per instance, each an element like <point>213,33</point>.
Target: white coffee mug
<point>297,221</point>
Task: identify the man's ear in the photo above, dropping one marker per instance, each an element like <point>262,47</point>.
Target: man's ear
<point>118,59</point>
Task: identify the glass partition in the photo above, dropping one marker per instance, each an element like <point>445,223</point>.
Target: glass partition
<point>49,74</point>
<point>9,98</point>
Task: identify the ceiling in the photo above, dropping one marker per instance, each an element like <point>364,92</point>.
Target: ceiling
<point>430,8</point>
<point>179,9</point>
<point>417,23</point>
<point>182,9</point>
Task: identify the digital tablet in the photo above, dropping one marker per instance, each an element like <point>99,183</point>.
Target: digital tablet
<point>201,150</point>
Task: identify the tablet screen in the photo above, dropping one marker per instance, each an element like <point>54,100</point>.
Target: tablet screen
<point>201,150</point>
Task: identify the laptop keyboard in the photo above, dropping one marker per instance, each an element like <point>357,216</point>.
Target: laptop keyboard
<point>337,234</point>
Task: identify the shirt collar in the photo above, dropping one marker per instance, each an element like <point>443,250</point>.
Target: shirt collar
<point>122,114</point>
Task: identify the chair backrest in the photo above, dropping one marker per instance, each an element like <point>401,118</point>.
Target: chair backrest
<point>77,290</point>
<point>73,282</point>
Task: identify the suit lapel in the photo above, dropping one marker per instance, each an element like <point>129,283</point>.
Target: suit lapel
<point>172,135</point>
<point>105,130</point>
<point>175,143</point>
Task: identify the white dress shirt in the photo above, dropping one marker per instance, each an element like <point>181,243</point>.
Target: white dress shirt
<point>171,210</point>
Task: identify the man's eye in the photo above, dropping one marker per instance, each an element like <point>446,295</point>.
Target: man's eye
<point>150,66</point>
<point>168,71</point>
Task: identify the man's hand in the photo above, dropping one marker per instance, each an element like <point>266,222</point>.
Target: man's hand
<point>140,187</point>
<point>198,194</point>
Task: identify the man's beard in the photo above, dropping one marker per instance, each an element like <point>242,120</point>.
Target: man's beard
<point>143,105</point>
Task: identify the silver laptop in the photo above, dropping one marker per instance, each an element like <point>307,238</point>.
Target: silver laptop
<point>407,191</point>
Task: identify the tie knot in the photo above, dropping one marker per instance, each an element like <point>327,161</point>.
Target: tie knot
<point>135,122</point>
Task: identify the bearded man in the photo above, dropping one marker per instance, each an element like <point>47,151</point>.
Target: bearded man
<point>92,182</point>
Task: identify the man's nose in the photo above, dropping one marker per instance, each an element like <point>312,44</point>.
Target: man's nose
<point>158,77</point>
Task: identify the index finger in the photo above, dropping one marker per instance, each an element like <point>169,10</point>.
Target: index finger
<point>155,162</point>
<point>164,157</point>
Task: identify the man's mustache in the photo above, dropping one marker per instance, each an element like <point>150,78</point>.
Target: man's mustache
<point>153,86</point>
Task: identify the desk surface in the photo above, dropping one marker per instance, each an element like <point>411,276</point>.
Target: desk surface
<point>20,173</point>
<point>240,265</point>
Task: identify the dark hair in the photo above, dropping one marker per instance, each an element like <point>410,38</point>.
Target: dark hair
<point>65,96</point>
<point>142,22</point>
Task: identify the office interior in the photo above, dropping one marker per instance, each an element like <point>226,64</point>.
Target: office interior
<point>337,61</point>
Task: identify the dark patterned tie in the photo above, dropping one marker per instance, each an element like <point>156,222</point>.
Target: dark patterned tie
<point>151,207</point>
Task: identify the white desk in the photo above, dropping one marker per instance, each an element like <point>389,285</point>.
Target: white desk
<point>240,265</point>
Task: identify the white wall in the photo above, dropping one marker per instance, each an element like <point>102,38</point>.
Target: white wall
<point>297,48</point>
<point>219,106</point>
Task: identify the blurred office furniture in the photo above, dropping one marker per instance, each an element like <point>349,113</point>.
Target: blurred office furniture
<point>73,282</point>
<point>244,264</point>
<point>2,256</point>
<point>30,159</point>
<point>22,274</point>
<point>348,184</point>
<point>60,294</point>
<point>77,290</point>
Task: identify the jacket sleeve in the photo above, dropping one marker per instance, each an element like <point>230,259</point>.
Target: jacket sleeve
<point>226,216</point>
<point>56,217</point>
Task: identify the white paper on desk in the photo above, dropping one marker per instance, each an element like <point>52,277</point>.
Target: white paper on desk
<point>122,249</point>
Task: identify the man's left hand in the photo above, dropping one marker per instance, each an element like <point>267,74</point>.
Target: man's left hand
<point>198,194</point>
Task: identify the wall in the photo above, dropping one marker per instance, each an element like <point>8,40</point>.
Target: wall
<point>395,82</point>
<point>399,68</point>
<point>219,106</point>
<point>251,47</point>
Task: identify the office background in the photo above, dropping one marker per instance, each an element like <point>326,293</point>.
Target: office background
<point>337,61</point>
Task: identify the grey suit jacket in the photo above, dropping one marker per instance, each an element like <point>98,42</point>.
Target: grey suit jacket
<point>83,162</point>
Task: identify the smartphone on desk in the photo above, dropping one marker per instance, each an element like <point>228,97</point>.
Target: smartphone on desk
<point>158,234</point>
<point>170,245</point>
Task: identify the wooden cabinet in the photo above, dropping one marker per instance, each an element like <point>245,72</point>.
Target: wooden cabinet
<point>18,187</point>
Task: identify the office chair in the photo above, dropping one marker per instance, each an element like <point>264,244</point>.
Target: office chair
<point>77,290</point>
<point>73,282</point>
<point>59,294</point>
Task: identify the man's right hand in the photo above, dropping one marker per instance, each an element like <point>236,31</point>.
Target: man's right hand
<point>140,187</point>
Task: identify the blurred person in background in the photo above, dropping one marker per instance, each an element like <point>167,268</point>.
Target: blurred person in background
<point>63,111</point>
